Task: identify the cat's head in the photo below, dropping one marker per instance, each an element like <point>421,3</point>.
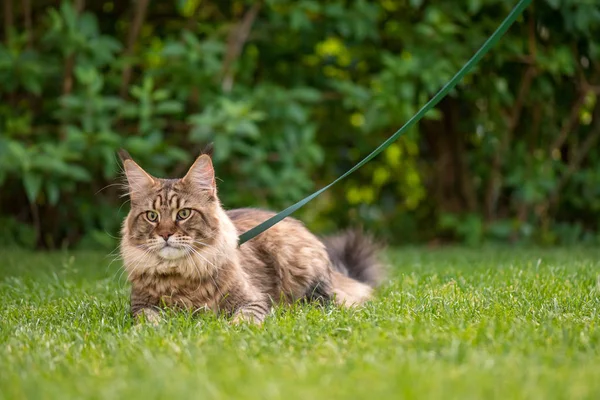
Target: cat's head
<point>172,219</point>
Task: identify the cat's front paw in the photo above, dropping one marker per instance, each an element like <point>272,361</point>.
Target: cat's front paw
<point>149,316</point>
<point>240,318</point>
<point>253,313</point>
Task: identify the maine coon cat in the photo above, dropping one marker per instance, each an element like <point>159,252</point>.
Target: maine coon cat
<point>180,250</point>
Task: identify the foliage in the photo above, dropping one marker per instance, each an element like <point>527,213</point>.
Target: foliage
<point>294,93</point>
<point>450,324</point>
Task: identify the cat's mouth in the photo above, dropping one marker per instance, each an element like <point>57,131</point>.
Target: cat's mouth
<point>171,252</point>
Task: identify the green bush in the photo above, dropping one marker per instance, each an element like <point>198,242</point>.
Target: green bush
<point>292,94</point>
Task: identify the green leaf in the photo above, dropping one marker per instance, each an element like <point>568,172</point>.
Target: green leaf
<point>17,150</point>
<point>53,193</point>
<point>160,94</point>
<point>173,49</point>
<point>222,148</point>
<point>78,173</point>
<point>32,183</point>
<point>169,107</point>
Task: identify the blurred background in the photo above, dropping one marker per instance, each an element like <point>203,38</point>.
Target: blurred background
<point>294,93</point>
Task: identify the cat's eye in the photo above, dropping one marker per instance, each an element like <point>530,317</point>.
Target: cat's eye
<point>183,214</point>
<point>152,216</point>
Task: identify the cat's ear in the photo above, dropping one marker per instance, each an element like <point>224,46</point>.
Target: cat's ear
<point>124,155</point>
<point>137,178</point>
<point>201,175</point>
<point>209,150</point>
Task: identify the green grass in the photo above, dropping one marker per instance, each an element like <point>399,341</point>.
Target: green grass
<point>453,323</point>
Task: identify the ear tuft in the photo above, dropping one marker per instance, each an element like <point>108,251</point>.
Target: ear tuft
<point>137,178</point>
<point>202,174</point>
<point>209,150</point>
<point>124,155</point>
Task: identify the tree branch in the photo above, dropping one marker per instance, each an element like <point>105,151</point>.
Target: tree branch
<point>492,192</point>
<point>8,19</point>
<point>237,38</point>
<point>528,76</point>
<point>138,20</point>
<point>194,97</point>
<point>579,156</point>
<point>27,21</point>
<point>70,61</point>
<point>524,208</point>
<point>192,19</point>
<point>573,121</point>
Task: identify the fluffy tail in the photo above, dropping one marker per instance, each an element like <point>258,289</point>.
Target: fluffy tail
<point>356,255</point>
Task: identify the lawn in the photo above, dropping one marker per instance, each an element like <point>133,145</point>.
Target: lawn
<point>450,323</point>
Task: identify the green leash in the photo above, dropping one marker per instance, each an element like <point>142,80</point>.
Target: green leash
<point>514,14</point>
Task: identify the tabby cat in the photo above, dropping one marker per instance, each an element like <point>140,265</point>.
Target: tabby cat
<point>180,250</point>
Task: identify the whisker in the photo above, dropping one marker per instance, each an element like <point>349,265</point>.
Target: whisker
<point>122,185</point>
<point>111,236</point>
<point>210,275</point>
<point>190,259</point>
<point>201,256</point>
<point>138,263</point>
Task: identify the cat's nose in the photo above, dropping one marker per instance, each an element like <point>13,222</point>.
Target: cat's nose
<point>165,236</point>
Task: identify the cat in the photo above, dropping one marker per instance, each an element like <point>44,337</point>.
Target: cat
<point>180,250</point>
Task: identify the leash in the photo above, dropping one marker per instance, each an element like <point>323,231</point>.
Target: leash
<point>489,43</point>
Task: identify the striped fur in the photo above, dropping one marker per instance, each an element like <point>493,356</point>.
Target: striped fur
<point>194,263</point>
